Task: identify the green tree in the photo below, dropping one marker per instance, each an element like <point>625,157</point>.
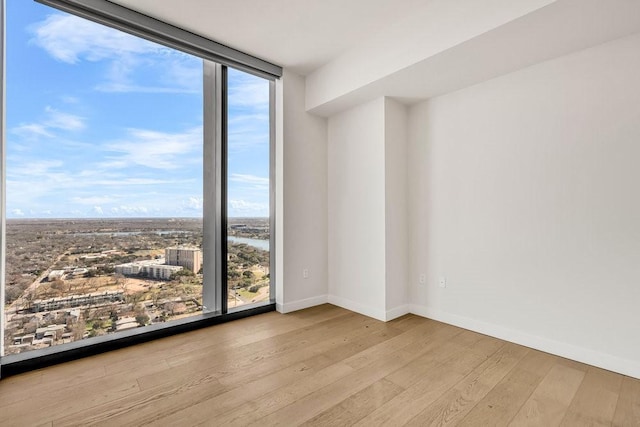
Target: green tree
<point>142,319</point>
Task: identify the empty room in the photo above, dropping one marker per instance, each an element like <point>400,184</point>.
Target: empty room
<point>298,212</point>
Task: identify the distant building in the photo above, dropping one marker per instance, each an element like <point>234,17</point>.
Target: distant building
<point>77,301</point>
<point>49,331</point>
<point>136,267</point>
<point>155,269</point>
<point>128,269</point>
<point>79,272</point>
<point>126,323</point>
<point>24,340</point>
<point>162,271</point>
<point>55,274</point>
<point>190,258</point>
<point>93,256</point>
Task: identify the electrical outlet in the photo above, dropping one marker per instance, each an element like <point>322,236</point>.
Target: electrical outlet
<point>442,282</point>
<point>305,273</point>
<point>422,279</point>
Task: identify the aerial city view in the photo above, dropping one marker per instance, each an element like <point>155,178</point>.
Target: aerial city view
<point>105,181</point>
<point>74,279</point>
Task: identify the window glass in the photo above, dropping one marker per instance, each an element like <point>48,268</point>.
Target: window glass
<point>248,256</point>
<point>104,155</point>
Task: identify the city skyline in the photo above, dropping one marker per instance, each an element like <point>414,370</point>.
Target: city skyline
<point>100,124</point>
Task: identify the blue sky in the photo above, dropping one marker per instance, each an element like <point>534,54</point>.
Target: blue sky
<point>103,124</point>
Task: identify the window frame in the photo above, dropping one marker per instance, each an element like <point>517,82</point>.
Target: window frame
<point>216,58</point>
<point>3,177</point>
<point>140,25</point>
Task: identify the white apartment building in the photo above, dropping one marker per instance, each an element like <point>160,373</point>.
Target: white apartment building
<point>156,269</point>
<point>160,271</point>
<point>187,257</point>
<point>133,268</point>
<point>128,269</point>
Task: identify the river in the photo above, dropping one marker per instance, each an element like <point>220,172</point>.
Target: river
<point>256,243</point>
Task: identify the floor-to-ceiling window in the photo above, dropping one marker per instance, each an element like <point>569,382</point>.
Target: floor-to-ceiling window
<point>248,208</point>
<point>137,182</point>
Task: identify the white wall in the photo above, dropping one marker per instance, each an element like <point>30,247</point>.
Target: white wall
<point>356,179</point>
<point>524,195</point>
<point>431,27</point>
<point>368,246</point>
<point>305,201</point>
<point>520,191</point>
<point>396,210</point>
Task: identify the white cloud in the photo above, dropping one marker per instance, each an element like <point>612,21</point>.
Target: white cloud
<point>249,179</point>
<point>31,130</point>
<point>157,150</point>
<point>52,120</point>
<point>195,203</point>
<point>129,210</point>
<point>59,120</point>
<point>81,185</point>
<point>122,87</point>
<point>92,200</point>
<point>35,168</point>
<point>246,90</point>
<point>132,181</point>
<point>249,105</point>
<point>256,182</point>
<point>69,39</point>
<point>245,208</point>
<point>248,131</point>
<point>17,212</point>
<point>68,99</point>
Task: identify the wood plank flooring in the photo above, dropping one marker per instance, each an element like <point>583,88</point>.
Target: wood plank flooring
<point>324,366</point>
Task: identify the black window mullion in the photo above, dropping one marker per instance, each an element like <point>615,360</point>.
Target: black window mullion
<point>224,246</point>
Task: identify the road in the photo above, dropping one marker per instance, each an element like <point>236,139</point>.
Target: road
<point>21,300</point>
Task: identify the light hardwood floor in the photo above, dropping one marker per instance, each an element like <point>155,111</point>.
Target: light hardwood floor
<point>322,366</point>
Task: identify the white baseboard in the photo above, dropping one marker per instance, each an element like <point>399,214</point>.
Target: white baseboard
<point>344,303</point>
<point>602,360</point>
<point>394,313</point>
<point>357,307</point>
<point>288,307</point>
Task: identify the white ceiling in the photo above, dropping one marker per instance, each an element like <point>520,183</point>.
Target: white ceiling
<point>558,29</point>
<point>298,34</point>
<point>355,50</point>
